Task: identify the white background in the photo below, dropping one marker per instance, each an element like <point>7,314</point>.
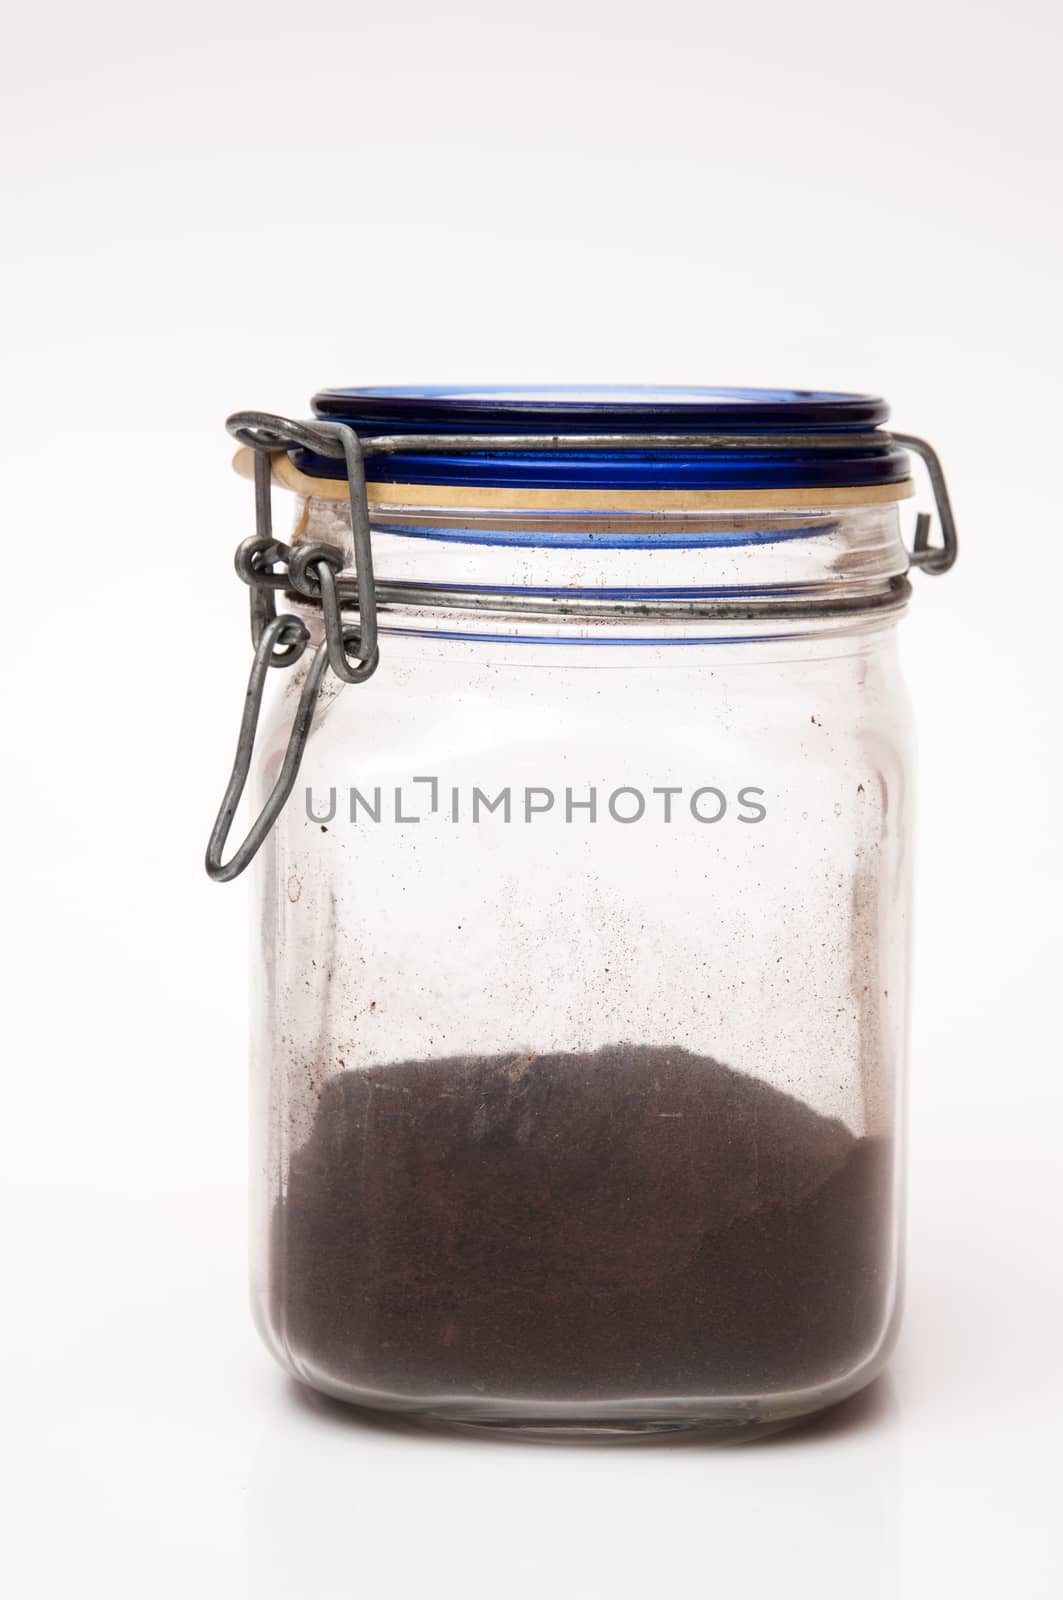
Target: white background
<point>210,206</point>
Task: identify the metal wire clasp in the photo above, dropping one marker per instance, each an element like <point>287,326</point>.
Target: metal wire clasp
<point>279,641</point>
<point>932,559</point>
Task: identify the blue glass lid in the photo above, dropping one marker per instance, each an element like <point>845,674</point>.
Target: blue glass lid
<point>857,452</point>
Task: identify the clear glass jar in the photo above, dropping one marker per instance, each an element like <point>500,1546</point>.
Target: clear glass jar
<point>580,1013</point>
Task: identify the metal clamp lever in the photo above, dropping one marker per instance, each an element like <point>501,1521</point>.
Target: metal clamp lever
<point>223,871</point>
<point>280,641</point>
<point>938,559</point>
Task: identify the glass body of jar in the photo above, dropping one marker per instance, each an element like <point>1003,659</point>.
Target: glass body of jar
<point>580,1013</point>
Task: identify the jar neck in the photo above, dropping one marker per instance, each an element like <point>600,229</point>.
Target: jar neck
<point>731,572</point>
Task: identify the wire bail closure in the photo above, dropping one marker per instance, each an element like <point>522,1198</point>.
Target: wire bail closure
<point>932,559</point>
<point>280,641</point>
<point>314,571</point>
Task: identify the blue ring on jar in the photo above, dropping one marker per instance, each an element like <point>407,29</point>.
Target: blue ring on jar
<point>757,413</point>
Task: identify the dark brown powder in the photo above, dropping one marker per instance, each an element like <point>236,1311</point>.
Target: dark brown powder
<point>630,1224</point>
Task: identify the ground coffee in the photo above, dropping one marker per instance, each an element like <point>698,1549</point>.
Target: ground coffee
<point>637,1222</point>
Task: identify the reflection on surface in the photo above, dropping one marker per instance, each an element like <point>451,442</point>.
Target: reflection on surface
<point>346,1503</point>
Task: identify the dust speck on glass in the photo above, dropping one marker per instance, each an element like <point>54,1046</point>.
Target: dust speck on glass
<point>582,812</point>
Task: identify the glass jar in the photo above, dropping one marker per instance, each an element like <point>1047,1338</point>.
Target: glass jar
<point>582,940</point>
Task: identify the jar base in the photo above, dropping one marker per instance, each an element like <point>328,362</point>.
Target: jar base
<point>719,1421</point>
<point>704,1429</point>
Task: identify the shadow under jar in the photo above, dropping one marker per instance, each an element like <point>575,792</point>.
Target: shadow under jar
<point>582,941</point>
